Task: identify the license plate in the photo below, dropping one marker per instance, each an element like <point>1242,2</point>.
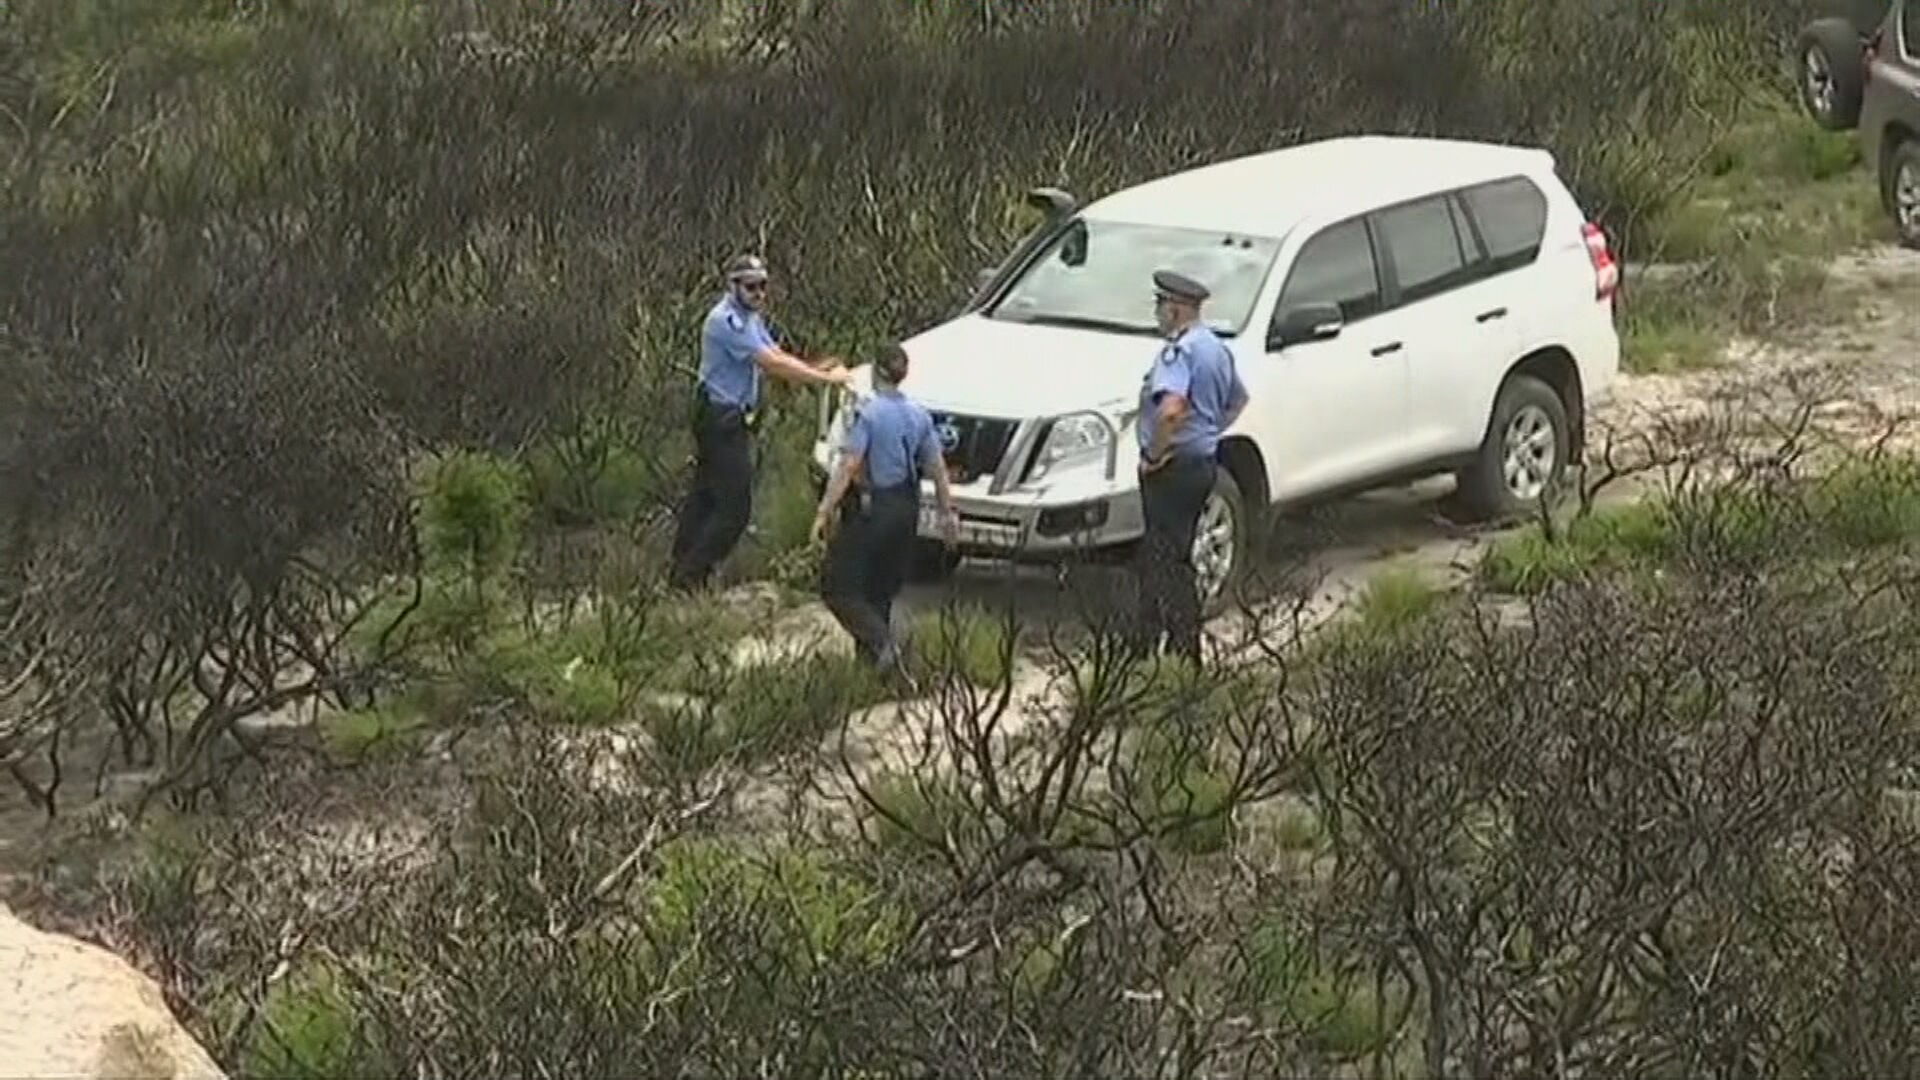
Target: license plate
<point>972,533</point>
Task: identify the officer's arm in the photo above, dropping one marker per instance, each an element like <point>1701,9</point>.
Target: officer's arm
<point>751,338</point>
<point>853,456</point>
<point>837,487</point>
<point>777,361</point>
<point>1236,397</point>
<point>936,465</point>
<point>1171,381</point>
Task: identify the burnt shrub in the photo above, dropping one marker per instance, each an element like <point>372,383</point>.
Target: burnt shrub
<point>262,254</point>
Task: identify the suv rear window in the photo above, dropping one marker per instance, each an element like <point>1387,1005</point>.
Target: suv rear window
<point>1423,237</point>
<point>1511,215</point>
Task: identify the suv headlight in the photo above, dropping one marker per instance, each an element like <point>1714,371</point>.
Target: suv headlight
<point>1072,441</point>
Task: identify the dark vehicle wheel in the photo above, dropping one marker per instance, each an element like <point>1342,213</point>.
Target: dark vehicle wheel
<point>1524,454</point>
<point>1832,73</point>
<point>1220,550</point>
<point>1903,191</point>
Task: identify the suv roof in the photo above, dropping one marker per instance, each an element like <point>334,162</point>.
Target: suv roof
<point>1269,193</point>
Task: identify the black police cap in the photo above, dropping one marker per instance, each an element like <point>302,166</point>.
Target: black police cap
<point>1179,286</point>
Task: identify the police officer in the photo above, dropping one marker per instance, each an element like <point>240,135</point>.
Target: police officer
<point>888,447</point>
<point>736,348</point>
<point>1190,395</point>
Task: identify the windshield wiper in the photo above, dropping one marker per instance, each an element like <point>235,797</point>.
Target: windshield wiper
<point>1084,322</point>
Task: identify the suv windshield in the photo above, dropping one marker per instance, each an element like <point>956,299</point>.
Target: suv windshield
<point>1099,274</point>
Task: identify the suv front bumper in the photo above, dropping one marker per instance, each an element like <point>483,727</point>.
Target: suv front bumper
<point>1068,519</point>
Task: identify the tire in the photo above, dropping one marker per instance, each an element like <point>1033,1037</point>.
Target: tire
<point>931,562</point>
<point>1528,412</point>
<point>1902,190</point>
<point>1220,547</point>
<point>1831,73</point>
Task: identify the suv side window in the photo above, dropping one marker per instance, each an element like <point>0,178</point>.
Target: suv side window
<point>1335,267</point>
<point>1422,238</point>
<point>1511,217</point>
<point>1910,28</point>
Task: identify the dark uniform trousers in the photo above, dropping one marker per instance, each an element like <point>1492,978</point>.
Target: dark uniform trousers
<point>866,563</point>
<point>715,511</point>
<point>1172,498</point>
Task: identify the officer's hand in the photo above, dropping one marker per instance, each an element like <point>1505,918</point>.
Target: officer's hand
<point>1151,465</point>
<point>837,375</point>
<point>822,526</point>
<point>950,526</point>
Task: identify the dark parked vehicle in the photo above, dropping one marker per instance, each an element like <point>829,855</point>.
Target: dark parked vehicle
<point>1860,70</point>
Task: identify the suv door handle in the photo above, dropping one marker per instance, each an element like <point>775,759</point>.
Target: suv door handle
<point>1382,350</point>
<point>1489,316</point>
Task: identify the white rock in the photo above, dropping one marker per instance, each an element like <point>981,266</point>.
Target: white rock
<point>70,1009</point>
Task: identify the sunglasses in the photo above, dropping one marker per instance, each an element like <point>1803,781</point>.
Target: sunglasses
<point>753,286</point>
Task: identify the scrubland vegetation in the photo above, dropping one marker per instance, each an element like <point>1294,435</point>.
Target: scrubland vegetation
<point>346,347</point>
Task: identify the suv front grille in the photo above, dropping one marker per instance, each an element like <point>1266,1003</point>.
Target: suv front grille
<point>972,445</point>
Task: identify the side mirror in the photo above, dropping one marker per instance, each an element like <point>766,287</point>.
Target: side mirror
<point>1073,248</point>
<point>1051,201</point>
<point>1303,323</point>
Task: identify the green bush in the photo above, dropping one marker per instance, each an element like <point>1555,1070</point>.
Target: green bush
<point>559,681</point>
<point>1338,1011</point>
<point>817,914</point>
<point>472,509</point>
<point>1611,536</point>
<point>1171,784</point>
<point>967,642</point>
<point>1809,153</point>
<point>308,1029</point>
<point>922,812</point>
<point>781,706</point>
<point>1396,598</point>
<point>1871,502</point>
<point>358,734</point>
<point>586,480</point>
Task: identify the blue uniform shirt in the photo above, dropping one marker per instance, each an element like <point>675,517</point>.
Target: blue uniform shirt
<point>895,436</point>
<point>729,375</point>
<point>1198,366</point>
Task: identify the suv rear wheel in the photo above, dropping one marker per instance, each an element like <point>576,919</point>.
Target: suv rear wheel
<point>1524,453</point>
<point>1832,73</point>
<point>1903,190</point>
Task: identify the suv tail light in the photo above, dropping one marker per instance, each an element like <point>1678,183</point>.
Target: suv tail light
<point>1606,271</point>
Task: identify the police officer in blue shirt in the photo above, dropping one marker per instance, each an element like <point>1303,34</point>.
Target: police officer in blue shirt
<point>1192,393</point>
<point>736,348</point>
<point>888,447</point>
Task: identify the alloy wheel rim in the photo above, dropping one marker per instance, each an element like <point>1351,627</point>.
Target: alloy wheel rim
<point>1906,198</point>
<point>1819,80</point>
<point>1213,547</point>
<point>1529,458</point>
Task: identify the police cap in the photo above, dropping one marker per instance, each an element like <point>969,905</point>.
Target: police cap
<point>1177,286</point>
<point>746,268</point>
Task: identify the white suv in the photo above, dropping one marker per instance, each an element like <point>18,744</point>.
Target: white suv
<point>1398,307</point>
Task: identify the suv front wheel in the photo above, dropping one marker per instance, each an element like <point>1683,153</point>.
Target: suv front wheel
<point>1523,455</point>
<point>1220,544</point>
